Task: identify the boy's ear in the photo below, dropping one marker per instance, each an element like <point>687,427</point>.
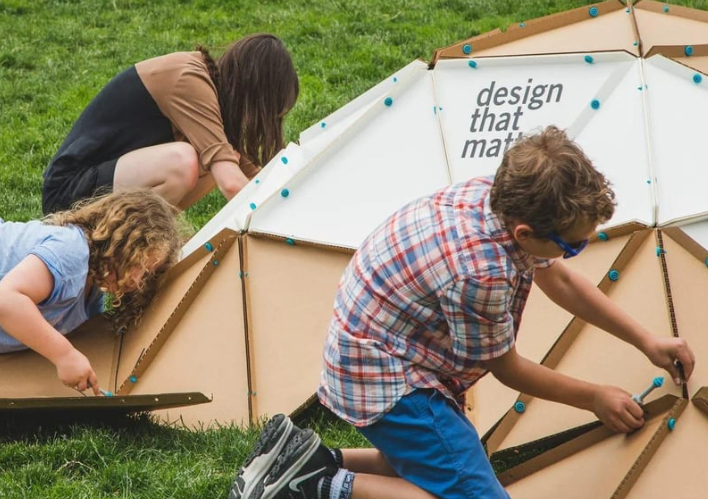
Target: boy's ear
<point>522,232</point>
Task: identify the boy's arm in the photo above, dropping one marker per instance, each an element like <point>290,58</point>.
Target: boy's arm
<point>26,285</point>
<point>612,405</point>
<point>581,298</point>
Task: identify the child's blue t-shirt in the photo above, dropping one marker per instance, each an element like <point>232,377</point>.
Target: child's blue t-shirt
<point>65,252</point>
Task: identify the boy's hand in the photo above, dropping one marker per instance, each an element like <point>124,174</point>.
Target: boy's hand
<point>616,409</point>
<point>75,371</point>
<point>663,352</point>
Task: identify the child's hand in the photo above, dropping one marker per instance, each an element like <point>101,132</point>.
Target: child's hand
<point>662,352</point>
<point>75,371</point>
<point>616,409</point>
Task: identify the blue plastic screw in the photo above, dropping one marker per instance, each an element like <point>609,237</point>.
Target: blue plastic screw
<point>395,79</point>
<point>635,43</point>
<point>289,241</point>
<point>105,393</point>
<point>593,11</point>
<point>655,383</point>
<point>472,64</point>
<point>388,101</point>
<point>519,407</point>
<point>467,48</point>
<point>697,78</point>
<point>252,206</point>
<point>522,25</point>
<point>602,236</point>
<point>706,262</point>
<point>627,10</point>
<point>671,424</point>
<point>258,181</point>
<point>209,247</point>
<point>285,193</point>
<point>589,59</point>
<point>613,275</point>
<point>659,251</point>
<point>133,379</point>
<point>284,160</point>
<point>216,263</point>
<point>688,51</point>
<point>595,104</point>
<point>666,8</point>
<point>323,124</point>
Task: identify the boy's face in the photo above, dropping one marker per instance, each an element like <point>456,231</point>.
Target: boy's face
<point>546,248</point>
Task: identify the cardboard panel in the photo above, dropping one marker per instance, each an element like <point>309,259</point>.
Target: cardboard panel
<point>27,374</point>
<point>392,155</point>
<point>290,299</point>
<point>688,276</point>
<point>542,323</point>
<point>571,31</point>
<point>593,466</point>
<point>678,467</point>
<point>676,26</point>
<point>206,352</point>
<point>600,357</point>
<point>136,341</point>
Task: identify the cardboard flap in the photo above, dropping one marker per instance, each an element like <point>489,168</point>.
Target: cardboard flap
<point>123,404</point>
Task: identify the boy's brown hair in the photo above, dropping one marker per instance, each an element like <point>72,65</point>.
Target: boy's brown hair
<point>546,181</point>
<point>123,231</point>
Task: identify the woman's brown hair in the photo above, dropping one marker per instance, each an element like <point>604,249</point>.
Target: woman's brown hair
<point>547,181</point>
<point>125,231</point>
<point>257,86</point>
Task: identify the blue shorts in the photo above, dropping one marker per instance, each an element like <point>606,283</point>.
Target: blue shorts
<point>429,442</point>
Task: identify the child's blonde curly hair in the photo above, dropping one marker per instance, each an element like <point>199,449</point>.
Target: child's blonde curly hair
<point>126,231</point>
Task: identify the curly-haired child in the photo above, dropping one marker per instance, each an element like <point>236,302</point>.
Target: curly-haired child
<point>55,274</point>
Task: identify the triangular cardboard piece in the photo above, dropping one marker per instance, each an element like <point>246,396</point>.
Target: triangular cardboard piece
<point>290,293</point>
<point>565,32</point>
<point>585,352</point>
<point>660,23</point>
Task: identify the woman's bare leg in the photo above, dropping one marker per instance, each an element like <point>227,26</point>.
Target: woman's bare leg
<point>171,170</point>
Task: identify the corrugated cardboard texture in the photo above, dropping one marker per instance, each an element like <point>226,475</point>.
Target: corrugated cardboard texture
<point>290,301</point>
<point>601,358</point>
<point>542,323</point>
<point>571,31</point>
<point>206,352</point>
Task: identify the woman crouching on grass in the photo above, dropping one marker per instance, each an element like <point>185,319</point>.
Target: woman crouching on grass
<point>57,273</point>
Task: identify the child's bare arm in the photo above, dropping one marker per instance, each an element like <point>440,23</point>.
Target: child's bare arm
<point>26,285</point>
<point>580,297</point>
<point>612,405</point>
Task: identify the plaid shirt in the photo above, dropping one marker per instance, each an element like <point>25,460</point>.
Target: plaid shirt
<point>436,289</point>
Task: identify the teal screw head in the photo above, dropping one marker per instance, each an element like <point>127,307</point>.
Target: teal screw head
<point>133,379</point>
<point>108,394</point>
<point>658,381</point>
<point>216,263</point>
<point>209,247</point>
<point>593,11</point>
<point>688,51</point>
<point>602,236</point>
<point>285,193</point>
<point>671,424</point>
<point>388,101</point>
<point>252,206</point>
<point>395,79</point>
<point>467,48</point>
<point>589,59</point>
<point>706,262</point>
<point>613,275</point>
<point>659,251</point>
<point>258,181</point>
<point>522,25</point>
<point>284,160</point>
<point>627,10</point>
<point>289,241</point>
<point>666,8</point>
<point>636,43</point>
<point>323,124</point>
<point>472,64</point>
<point>519,407</point>
<point>595,104</point>
<point>697,78</point>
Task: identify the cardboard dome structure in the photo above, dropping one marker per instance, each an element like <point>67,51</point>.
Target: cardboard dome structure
<point>243,317</point>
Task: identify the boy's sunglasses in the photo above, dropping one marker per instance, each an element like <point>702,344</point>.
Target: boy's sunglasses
<point>570,249</point>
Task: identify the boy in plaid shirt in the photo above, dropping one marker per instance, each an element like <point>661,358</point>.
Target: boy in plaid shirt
<point>430,303</point>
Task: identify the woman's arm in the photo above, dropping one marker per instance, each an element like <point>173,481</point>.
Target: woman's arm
<point>581,298</point>
<point>26,285</point>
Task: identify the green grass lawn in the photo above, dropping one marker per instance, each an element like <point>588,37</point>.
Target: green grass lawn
<point>56,55</point>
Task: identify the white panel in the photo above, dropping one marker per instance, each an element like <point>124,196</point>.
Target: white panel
<point>486,108</point>
<point>677,110</point>
<point>392,155</point>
